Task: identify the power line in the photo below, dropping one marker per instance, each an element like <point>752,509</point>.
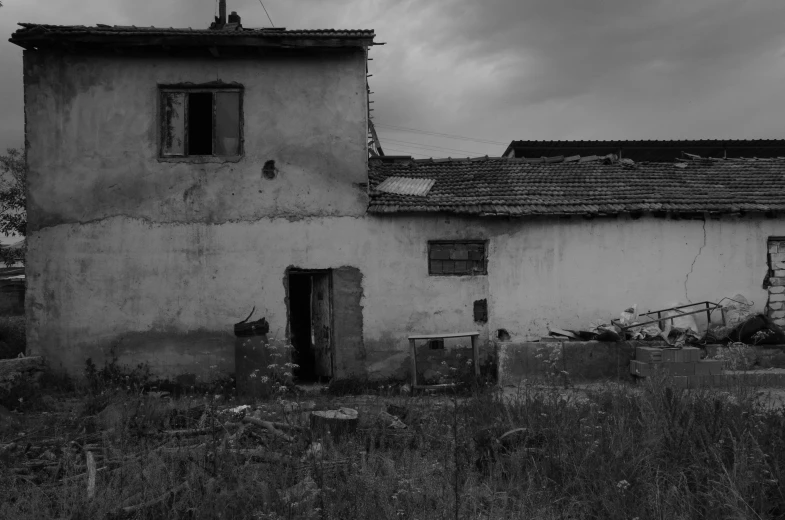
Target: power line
<point>268,14</point>
<point>434,147</point>
<point>449,136</point>
<point>408,152</point>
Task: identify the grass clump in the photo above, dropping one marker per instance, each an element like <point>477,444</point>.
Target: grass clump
<point>615,451</point>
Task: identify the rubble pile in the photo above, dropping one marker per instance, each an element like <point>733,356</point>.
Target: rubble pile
<point>290,438</point>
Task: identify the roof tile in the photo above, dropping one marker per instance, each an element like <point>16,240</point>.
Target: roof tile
<point>521,187</point>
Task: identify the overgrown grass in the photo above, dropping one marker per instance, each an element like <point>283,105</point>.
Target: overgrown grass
<point>614,452</point>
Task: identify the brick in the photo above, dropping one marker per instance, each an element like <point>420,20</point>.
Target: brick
<point>708,367</point>
<point>773,280</point>
<point>780,246</point>
<point>776,314</point>
<point>776,306</point>
<point>679,369</point>
<point>777,257</point>
<point>780,322</point>
<point>779,272</point>
<point>648,354</point>
<point>778,265</point>
<point>773,247</point>
<point>776,290</point>
<point>777,297</point>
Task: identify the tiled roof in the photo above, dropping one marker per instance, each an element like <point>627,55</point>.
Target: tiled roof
<point>651,150</point>
<point>571,186</point>
<point>37,33</point>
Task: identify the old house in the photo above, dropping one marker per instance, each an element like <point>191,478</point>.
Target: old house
<point>180,177</point>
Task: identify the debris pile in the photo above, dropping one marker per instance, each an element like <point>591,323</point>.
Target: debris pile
<point>292,438</point>
<point>730,320</point>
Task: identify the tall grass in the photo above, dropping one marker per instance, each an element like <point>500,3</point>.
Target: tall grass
<point>648,452</point>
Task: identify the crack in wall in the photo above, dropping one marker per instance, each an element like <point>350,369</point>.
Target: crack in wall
<point>692,267</point>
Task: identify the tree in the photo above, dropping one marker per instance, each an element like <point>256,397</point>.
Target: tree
<point>13,214</point>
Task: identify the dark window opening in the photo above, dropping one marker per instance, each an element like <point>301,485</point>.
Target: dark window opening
<point>481,311</point>
<point>201,122</point>
<point>457,258</point>
<point>503,335</point>
<point>436,344</point>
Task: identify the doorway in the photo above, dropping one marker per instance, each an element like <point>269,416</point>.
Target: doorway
<point>310,323</point>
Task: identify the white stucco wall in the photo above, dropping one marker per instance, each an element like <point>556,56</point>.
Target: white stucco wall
<point>163,283</point>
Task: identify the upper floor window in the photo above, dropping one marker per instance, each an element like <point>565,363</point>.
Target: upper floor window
<point>461,257</point>
<point>201,122</point>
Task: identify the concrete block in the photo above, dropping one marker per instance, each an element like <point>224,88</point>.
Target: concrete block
<point>777,257</point>
<point>679,369</point>
<point>780,322</point>
<point>591,360</point>
<point>778,265</point>
<point>519,361</point>
<point>778,289</point>
<point>774,280</point>
<point>682,355</point>
<point>708,367</point>
<point>640,369</point>
<point>780,246</point>
<point>672,355</point>
<point>773,297</point>
<point>776,306</point>
<point>779,272</point>
<point>777,314</point>
<point>649,354</point>
<point>773,247</point>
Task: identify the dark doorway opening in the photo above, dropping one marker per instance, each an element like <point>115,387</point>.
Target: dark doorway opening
<point>310,323</point>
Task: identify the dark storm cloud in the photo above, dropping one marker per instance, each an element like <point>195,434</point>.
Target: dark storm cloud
<point>510,69</point>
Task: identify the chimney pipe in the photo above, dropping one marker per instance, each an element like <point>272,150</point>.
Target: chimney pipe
<point>222,12</point>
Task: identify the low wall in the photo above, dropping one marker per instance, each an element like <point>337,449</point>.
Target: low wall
<point>581,360</point>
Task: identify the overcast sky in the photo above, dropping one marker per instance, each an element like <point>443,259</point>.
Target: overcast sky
<point>499,70</point>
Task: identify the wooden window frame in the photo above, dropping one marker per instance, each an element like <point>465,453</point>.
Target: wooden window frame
<point>484,261</point>
<point>163,90</point>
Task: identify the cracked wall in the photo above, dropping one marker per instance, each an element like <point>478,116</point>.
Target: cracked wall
<point>93,140</point>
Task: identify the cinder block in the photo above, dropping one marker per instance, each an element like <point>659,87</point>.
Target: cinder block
<point>777,314</point>
<point>777,257</point>
<point>640,369</point>
<point>776,306</point>
<point>780,322</point>
<point>672,355</point>
<point>679,369</point>
<point>708,367</point>
<point>776,297</point>
<point>774,280</point>
<point>776,289</point>
<point>779,272</point>
<point>648,354</point>
<point>681,355</point>
<point>773,247</point>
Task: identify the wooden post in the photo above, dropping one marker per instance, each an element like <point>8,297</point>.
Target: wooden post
<point>414,363</point>
<point>476,354</point>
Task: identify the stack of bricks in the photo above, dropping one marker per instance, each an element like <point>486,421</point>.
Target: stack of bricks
<point>776,304</point>
<point>683,364</point>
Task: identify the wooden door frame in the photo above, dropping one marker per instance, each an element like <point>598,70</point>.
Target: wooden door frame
<point>311,272</point>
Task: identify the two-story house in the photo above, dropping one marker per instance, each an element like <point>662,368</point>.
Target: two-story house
<point>180,177</point>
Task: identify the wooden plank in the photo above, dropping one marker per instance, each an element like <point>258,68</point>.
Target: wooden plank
<point>442,336</point>
<point>476,354</point>
<point>414,362</point>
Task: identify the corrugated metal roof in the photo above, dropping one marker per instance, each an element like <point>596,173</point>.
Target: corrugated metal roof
<point>406,186</point>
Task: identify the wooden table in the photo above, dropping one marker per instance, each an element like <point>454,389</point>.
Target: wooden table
<point>475,352</point>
